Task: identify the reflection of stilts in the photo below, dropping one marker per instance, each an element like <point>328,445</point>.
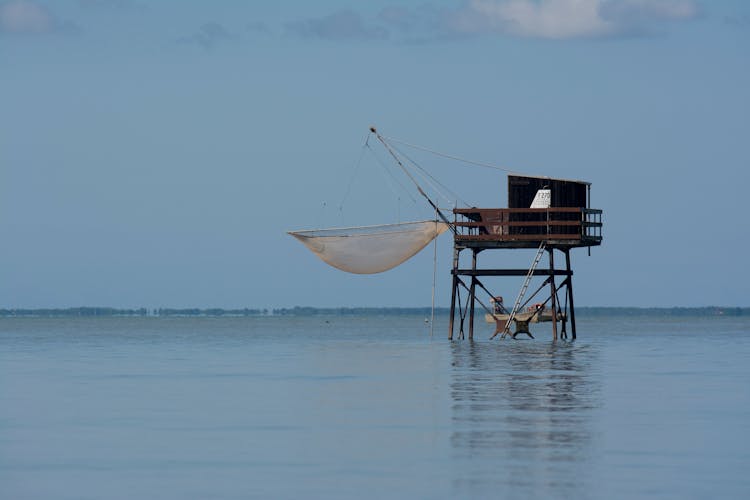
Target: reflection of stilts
<point>545,229</point>
<point>531,397</point>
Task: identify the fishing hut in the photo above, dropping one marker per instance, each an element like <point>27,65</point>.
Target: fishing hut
<point>546,214</point>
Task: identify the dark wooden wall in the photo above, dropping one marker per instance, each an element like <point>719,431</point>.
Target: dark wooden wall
<point>565,193</point>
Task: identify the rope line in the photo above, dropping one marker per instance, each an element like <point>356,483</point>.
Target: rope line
<point>435,182</point>
<point>452,157</point>
<point>389,148</point>
<point>429,178</point>
<point>395,179</point>
<point>354,174</point>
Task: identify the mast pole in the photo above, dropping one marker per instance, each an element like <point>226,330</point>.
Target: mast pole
<point>411,177</point>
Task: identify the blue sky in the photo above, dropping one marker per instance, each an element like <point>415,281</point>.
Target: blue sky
<point>154,153</point>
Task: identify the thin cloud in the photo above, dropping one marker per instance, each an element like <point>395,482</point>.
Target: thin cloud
<point>550,19</point>
<point>639,16</point>
<point>546,19</point>
<point>25,17</point>
<point>258,28</point>
<point>124,5</point>
<point>422,20</point>
<point>342,25</point>
<point>563,19</point>
<point>208,36</point>
<point>741,21</point>
<point>423,24</point>
<point>401,17</point>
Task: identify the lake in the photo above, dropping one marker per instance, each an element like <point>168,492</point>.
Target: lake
<point>372,407</point>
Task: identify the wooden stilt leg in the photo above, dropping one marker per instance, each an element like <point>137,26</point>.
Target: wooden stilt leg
<point>454,290</point>
<point>553,298</point>
<point>570,294</point>
<point>472,290</point>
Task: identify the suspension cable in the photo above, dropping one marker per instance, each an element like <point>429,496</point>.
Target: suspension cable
<point>452,157</point>
<point>354,174</point>
<point>427,176</point>
<point>393,177</point>
<point>406,171</point>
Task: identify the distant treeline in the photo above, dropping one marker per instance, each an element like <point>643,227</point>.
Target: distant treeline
<point>76,311</point>
<point>582,311</point>
<point>663,311</point>
<point>356,311</point>
<point>111,311</point>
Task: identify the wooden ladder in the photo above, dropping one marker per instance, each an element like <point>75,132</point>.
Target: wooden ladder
<point>524,288</point>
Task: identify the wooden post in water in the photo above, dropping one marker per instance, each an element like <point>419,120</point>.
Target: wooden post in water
<point>472,290</point>
<point>570,293</point>
<point>453,293</point>
<point>553,292</point>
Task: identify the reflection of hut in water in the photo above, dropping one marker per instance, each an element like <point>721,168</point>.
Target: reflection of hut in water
<point>531,409</point>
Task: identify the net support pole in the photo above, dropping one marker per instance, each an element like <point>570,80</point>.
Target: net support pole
<point>411,177</point>
<point>454,290</point>
<point>434,279</point>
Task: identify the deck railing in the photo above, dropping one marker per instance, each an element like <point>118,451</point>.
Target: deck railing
<point>575,225</point>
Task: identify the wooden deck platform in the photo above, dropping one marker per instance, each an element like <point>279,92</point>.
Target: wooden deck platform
<point>485,228</point>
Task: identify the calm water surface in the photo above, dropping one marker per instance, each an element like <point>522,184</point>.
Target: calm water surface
<point>371,407</point>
